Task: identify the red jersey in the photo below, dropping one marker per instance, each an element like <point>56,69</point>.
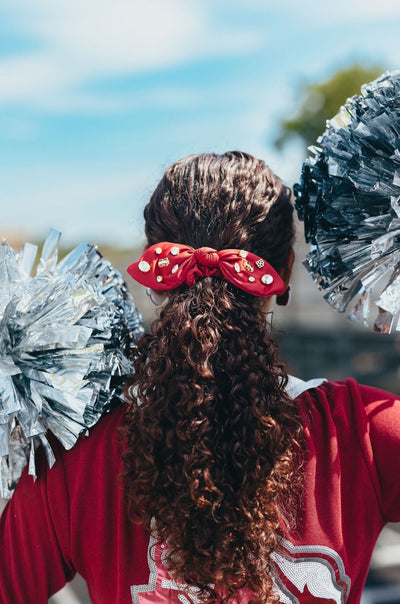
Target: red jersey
<point>73,518</point>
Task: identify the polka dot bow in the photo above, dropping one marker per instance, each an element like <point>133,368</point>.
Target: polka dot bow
<point>165,266</point>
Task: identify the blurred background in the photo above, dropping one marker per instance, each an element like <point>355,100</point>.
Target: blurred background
<point>97,98</point>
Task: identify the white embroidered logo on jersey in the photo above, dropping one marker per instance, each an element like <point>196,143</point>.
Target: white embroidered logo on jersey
<point>305,573</point>
<point>310,570</point>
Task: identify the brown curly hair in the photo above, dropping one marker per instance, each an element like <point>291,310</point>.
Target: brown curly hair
<point>213,439</point>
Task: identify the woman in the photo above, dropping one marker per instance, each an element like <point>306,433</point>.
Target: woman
<point>238,484</point>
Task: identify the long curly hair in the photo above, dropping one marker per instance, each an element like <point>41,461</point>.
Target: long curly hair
<point>213,440</point>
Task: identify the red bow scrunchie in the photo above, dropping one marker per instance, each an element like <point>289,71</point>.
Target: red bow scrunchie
<point>167,265</point>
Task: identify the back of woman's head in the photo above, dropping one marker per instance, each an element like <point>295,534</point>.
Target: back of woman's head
<point>223,201</point>
<point>212,436</point>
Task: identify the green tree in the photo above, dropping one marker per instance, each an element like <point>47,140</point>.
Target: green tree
<point>322,101</point>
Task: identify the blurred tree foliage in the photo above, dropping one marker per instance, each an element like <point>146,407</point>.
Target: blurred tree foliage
<point>322,102</point>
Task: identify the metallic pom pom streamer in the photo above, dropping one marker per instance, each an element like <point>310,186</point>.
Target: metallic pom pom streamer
<point>67,336</point>
<point>349,199</point>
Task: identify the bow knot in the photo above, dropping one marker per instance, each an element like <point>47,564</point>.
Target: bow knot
<point>207,256</point>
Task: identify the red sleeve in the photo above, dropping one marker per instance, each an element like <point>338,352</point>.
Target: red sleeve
<point>383,421</point>
<point>34,556</point>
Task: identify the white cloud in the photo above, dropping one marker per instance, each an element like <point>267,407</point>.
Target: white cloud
<point>341,10</point>
<point>118,35</point>
<point>31,77</point>
<point>79,41</point>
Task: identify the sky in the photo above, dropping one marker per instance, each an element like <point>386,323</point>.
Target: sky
<point>98,97</point>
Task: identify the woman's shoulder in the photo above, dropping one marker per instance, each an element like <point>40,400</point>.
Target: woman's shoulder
<point>348,392</point>
<point>350,410</point>
<point>100,447</point>
<point>362,422</point>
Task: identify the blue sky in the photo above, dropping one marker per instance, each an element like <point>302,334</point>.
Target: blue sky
<point>98,97</point>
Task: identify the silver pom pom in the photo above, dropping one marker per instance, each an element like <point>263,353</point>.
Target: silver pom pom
<point>349,200</point>
<point>66,340</point>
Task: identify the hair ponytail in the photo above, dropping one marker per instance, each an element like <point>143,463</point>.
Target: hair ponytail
<point>212,437</point>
